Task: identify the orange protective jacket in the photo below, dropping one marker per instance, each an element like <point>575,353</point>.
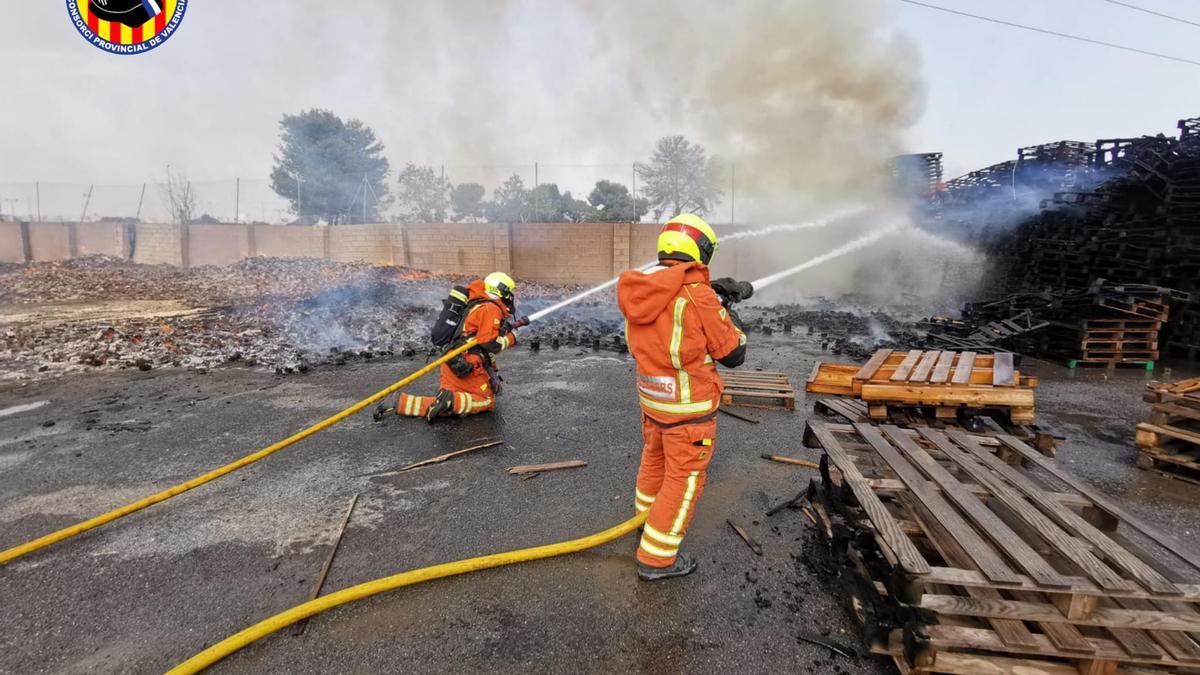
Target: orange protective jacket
<point>676,327</point>
<point>484,322</point>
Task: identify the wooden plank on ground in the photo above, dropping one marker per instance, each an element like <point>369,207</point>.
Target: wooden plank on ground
<point>1003,373</point>
<point>909,558</point>
<point>906,366</point>
<point>553,466</point>
<point>876,361</point>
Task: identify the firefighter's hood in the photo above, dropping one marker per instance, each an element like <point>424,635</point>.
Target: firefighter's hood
<point>476,291</point>
<point>643,296</point>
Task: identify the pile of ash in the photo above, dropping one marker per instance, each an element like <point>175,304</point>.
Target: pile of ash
<point>284,314</point>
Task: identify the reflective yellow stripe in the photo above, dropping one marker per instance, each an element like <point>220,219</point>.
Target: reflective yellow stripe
<point>414,405</point>
<point>480,404</point>
<point>658,551</point>
<point>664,539</point>
<point>677,526</point>
<point>685,381</point>
<point>679,408</point>
<point>643,496</point>
<point>503,341</point>
<point>640,508</point>
<point>461,403</point>
<point>677,332</point>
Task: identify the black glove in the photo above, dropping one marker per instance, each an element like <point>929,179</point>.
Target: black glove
<point>732,291</point>
<point>737,320</point>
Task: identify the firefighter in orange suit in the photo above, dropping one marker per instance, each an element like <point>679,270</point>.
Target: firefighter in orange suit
<point>469,383</point>
<point>677,327</point>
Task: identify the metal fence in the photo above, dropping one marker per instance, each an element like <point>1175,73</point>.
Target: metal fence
<point>245,200</point>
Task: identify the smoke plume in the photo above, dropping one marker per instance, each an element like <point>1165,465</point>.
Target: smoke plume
<point>805,98</point>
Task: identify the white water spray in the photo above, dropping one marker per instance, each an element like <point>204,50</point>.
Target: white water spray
<point>817,224</point>
<point>579,296</point>
<point>848,247</point>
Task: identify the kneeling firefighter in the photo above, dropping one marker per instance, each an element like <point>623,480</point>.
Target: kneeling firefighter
<point>676,327</point>
<point>469,385</point>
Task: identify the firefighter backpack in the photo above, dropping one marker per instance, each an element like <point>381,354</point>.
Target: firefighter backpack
<point>454,310</point>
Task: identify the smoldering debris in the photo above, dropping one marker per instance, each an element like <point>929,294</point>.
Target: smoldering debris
<point>285,315</point>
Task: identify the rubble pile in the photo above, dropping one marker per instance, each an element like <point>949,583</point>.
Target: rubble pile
<point>288,315</point>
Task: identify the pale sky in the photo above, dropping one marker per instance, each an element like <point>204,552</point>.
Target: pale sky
<point>209,100</point>
<point>992,89</point>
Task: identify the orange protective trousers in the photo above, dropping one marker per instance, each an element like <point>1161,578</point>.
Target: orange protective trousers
<point>669,483</point>
<point>472,394</point>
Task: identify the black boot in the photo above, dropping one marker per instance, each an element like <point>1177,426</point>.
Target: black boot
<point>442,404</point>
<point>684,565</point>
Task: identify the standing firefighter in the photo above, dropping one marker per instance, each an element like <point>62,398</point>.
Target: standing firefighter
<point>483,310</point>
<point>677,327</point>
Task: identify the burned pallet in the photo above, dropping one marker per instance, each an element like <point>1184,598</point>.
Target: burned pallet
<point>758,389</point>
<point>1170,440</point>
<point>975,554</point>
<point>944,381</point>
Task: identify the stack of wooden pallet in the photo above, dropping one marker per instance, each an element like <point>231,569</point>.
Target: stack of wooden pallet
<point>973,554</point>
<point>1170,441</point>
<point>944,381</point>
<point>1113,331</point>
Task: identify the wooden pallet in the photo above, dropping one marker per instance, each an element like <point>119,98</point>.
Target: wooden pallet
<point>756,389</point>
<point>975,554</point>
<point>853,410</point>
<point>1170,440</point>
<point>943,380</point>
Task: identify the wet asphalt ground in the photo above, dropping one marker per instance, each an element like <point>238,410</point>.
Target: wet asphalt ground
<point>143,593</point>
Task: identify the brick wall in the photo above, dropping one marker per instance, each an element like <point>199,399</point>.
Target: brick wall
<point>217,244</point>
<point>100,239</point>
<point>289,241</point>
<point>573,253</point>
<point>461,248</point>
<point>157,244</point>
<point>12,247</point>
<point>562,252</point>
<point>362,243</point>
<point>50,241</point>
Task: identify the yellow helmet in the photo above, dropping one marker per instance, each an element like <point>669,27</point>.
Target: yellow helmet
<point>500,286</point>
<point>687,237</point>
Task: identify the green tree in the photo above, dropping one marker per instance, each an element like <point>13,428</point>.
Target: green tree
<point>510,202</point>
<point>422,196</point>
<point>466,199</point>
<point>680,178</point>
<point>326,168</point>
<point>548,205</point>
<point>613,203</point>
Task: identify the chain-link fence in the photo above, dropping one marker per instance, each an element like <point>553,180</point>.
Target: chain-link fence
<point>247,200</point>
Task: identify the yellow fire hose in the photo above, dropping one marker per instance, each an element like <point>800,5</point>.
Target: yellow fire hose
<point>365,590</point>
<point>80,528</point>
